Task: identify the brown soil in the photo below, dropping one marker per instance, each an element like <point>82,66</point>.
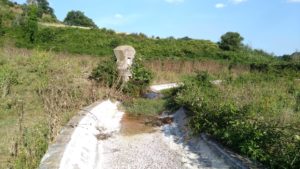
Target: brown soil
<point>131,125</point>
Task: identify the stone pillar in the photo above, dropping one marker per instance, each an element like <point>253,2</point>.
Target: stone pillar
<point>125,56</point>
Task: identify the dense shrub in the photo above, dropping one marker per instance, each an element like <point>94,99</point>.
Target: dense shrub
<point>231,41</point>
<point>30,27</point>
<point>100,42</point>
<point>45,9</point>
<point>141,79</point>
<point>106,73</point>
<point>77,18</point>
<point>248,114</point>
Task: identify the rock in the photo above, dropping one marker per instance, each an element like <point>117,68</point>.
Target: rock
<point>216,82</point>
<point>125,56</point>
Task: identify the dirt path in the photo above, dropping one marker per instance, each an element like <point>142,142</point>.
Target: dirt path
<point>103,137</point>
<point>139,152</point>
<point>137,146</point>
<point>164,148</point>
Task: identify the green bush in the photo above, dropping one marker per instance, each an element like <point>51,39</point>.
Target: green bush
<point>106,74</point>
<point>100,42</point>
<point>253,114</point>
<point>141,79</point>
<point>77,18</point>
<point>231,41</point>
<point>30,26</point>
<point>45,9</point>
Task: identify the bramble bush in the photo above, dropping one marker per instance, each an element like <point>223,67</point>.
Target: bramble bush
<point>248,114</point>
<point>106,74</point>
<point>141,79</point>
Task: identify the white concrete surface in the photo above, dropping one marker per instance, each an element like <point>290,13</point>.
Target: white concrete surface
<point>157,88</point>
<point>82,150</point>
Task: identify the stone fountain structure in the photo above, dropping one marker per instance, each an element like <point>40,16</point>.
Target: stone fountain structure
<point>125,56</point>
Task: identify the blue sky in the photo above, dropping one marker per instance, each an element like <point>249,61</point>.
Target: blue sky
<point>271,25</point>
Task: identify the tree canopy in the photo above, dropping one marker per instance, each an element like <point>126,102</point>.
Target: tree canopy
<point>31,24</point>
<point>77,18</point>
<point>44,8</point>
<point>231,41</point>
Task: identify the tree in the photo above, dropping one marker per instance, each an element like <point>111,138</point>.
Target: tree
<point>31,24</point>
<point>44,8</point>
<point>231,41</point>
<point>77,18</point>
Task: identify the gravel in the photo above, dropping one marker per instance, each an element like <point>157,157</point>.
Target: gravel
<point>142,151</point>
<point>167,148</point>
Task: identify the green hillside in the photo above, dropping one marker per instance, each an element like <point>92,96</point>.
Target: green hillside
<point>100,42</point>
<point>49,71</point>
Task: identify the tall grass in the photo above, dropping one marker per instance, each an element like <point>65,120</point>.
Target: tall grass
<point>39,93</point>
<point>256,114</point>
<point>173,70</point>
<point>145,107</point>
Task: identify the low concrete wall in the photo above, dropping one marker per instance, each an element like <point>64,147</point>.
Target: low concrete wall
<point>55,152</point>
<point>77,145</point>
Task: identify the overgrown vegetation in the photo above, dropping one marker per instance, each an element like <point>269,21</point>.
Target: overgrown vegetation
<point>77,18</point>
<point>255,110</point>
<point>231,41</point>
<point>255,114</point>
<point>39,93</point>
<point>145,107</point>
<point>100,42</point>
<point>106,74</point>
<point>44,9</point>
<point>30,27</point>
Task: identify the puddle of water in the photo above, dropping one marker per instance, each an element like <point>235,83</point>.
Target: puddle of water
<point>153,95</point>
<point>131,125</point>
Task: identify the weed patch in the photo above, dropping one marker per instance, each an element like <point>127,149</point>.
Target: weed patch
<point>254,114</point>
<point>145,107</point>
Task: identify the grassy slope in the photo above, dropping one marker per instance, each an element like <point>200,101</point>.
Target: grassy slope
<point>101,42</point>
<point>256,114</point>
<point>48,86</point>
<point>68,74</point>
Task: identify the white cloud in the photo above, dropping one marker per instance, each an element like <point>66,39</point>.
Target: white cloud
<point>220,5</point>
<point>293,1</point>
<point>119,16</point>
<point>237,1</point>
<point>116,19</point>
<point>174,1</point>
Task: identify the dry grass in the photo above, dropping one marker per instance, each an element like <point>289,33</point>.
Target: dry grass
<point>169,70</point>
<point>50,87</point>
<point>60,25</point>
